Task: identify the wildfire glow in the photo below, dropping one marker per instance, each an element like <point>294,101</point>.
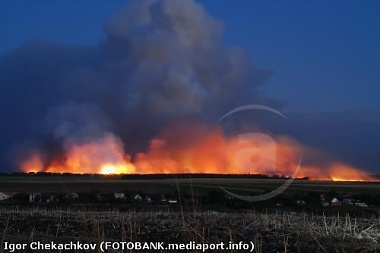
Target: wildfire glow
<point>190,149</point>
<point>104,155</point>
<point>32,163</point>
<point>110,169</point>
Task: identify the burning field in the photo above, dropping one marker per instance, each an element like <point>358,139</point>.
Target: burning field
<point>147,99</point>
<point>184,149</point>
<point>161,130</point>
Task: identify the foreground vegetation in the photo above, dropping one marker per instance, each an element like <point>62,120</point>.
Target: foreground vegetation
<point>269,232</point>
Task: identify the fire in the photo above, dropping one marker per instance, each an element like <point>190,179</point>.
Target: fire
<point>110,169</point>
<point>32,163</point>
<point>342,172</point>
<point>104,155</point>
<point>335,172</point>
<point>195,148</point>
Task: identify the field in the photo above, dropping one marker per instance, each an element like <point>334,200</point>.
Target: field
<point>269,232</point>
<point>270,227</point>
<point>200,185</point>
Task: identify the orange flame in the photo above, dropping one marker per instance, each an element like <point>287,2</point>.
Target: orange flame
<point>195,148</point>
<point>32,163</point>
<point>103,156</point>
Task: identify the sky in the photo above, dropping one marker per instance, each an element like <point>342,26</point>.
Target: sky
<point>322,56</point>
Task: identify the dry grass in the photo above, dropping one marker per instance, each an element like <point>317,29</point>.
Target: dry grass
<point>269,232</point>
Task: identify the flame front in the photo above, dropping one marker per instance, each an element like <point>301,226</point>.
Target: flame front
<point>190,149</point>
<point>104,155</point>
<point>32,163</point>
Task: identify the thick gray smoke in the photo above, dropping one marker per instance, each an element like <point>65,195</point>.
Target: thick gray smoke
<point>161,60</point>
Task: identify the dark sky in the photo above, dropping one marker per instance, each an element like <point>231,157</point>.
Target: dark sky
<point>324,57</point>
<point>325,54</point>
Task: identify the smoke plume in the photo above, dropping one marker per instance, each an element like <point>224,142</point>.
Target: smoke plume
<point>161,60</point>
<point>83,109</point>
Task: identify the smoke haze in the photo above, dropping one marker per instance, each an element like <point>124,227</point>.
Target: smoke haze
<point>161,62</point>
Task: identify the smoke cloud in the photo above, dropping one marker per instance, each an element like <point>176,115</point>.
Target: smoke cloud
<point>160,61</point>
